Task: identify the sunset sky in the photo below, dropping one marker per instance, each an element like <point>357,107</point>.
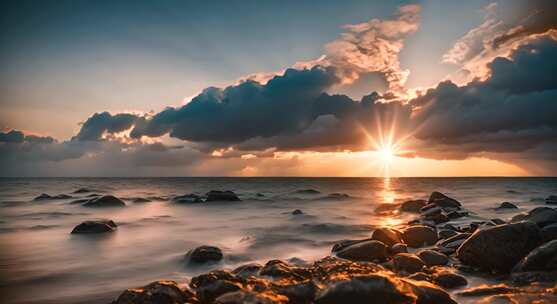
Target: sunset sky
<point>278,88</point>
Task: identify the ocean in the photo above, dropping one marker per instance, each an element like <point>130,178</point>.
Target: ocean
<point>41,262</point>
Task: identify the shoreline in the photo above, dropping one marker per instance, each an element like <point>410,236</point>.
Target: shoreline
<point>424,262</point>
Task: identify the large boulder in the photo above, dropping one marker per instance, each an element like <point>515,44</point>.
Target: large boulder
<point>160,292</point>
<point>543,258</point>
<point>542,216</point>
<point>419,235</point>
<point>373,288</point>
<point>215,195</point>
<point>413,205</point>
<point>97,226</point>
<point>499,248</point>
<point>443,201</point>
<point>371,250</point>
<point>104,201</point>
<point>549,232</point>
<point>204,254</point>
<point>387,236</point>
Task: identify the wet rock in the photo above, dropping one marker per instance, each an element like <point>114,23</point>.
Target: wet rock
<point>98,226</point>
<point>437,218</point>
<point>214,284</point>
<point>419,276</point>
<point>482,291</point>
<point>340,245</point>
<point>337,196</point>
<point>429,294</point>
<point>371,250</point>
<point>247,269</point>
<point>281,269</point>
<point>449,279</point>
<point>443,201</point>
<point>204,254</point>
<point>552,200</point>
<point>407,262</point>
<point>445,234</point>
<point>45,196</point>
<point>362,289</point>
<point>543,258</point>
<point>297,212</point>
<point>79,201</point>
<point>160,292</point>
<point>215,195</point>
<point>549,232</point>
<point>542,216</point>
<point>139,200</point>
<point>387,236</point>
<point>304,292</point>
<point>412,205</point>
<point>432,257</point>
<point>399,248</point>
<point>419,235</point>
<point>456,214</point>
<point>497,221</point>
<point>506,205</point>
<point>188,198</point>
<point>82,190</point>
<point>104,201</point>
<point>499,248</point>
<point>307,191</point>
<point>430,209</point>
<point>248,297</point>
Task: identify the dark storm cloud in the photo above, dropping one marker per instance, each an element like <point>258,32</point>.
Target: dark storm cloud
<point>281,106</point>
<point>512,111</point>
<point>95,126</point>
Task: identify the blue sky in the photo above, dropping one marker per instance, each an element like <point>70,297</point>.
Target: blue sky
<point>67,59</point>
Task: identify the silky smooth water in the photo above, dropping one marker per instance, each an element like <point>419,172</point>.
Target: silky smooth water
<point>41,262</point>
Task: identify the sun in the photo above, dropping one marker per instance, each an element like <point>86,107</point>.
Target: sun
<point>387,154</point>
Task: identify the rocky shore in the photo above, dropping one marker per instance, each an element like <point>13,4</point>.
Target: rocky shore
<point>430,260</point>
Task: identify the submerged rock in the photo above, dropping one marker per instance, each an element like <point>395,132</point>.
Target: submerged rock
<point>552,200</point>
<point>188,198</point>
<point>160,292</point>
<point>365,289</point>
<point>141,200</point>
<point>506,205</point>
<point>215,195</point>
<point>387,236</point>
<point>543,258</point>
<point>419,235</point>
<point>307,191</point>
<point>45,196</point>
<point>371,250</point>
<point>297,212</point>
<point>204,254</point>
<point>247,269</point>
<point>413,205</point>
<point>499,248</point>
<point>97,226</point>
<point>104,201</point>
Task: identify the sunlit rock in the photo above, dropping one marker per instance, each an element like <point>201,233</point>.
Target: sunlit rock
<point>387,236</point>
<point>448,279</point>
<point>160,292</point>
<point>365,251</point>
